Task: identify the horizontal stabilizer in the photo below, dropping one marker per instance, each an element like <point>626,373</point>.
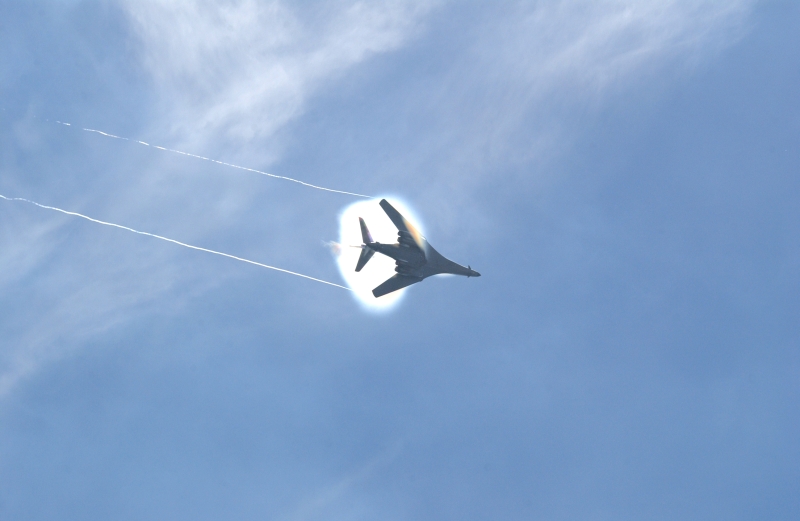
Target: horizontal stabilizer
<point>366,255</point>
<point>394,283</point>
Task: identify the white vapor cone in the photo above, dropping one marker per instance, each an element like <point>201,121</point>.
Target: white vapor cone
<point>380,267</point>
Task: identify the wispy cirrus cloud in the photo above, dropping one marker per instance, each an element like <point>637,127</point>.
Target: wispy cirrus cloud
<point>600,43</point>
<point>229,75</point>
<point>242,69</point>
<point>224,75</point>
<point>507,94</point>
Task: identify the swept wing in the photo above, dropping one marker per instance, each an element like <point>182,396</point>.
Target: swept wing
<point>393,284</point>
<point>402,224</point>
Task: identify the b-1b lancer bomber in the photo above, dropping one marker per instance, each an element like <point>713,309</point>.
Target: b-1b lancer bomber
<point>415,258</point>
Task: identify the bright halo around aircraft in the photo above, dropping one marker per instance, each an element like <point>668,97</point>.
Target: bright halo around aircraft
<point>380,267</point>
<point>413,256</point>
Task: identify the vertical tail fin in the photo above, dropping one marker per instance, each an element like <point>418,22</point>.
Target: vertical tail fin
<point>366,252</point>
<point>365,235</point>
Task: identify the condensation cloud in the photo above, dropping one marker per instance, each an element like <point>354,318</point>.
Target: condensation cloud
<point>380,267</point>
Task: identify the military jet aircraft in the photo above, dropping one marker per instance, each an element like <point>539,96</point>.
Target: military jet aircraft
<point>414,257</point>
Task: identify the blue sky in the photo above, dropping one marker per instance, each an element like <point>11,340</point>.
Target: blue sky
<point>623,174</point>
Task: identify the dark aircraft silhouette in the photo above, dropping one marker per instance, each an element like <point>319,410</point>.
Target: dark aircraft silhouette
<point>415,258</point>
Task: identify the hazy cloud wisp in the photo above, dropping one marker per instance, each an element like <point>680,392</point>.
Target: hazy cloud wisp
<point>242,69</point>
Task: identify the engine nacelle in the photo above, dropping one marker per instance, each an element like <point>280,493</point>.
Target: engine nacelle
<point>403,270</point>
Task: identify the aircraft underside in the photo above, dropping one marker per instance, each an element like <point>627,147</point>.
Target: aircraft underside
<point>415,259</point>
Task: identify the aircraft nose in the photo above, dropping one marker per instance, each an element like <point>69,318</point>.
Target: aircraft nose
<point>474,274</point>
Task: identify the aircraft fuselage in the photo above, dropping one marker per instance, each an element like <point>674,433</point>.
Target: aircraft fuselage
<point>414,262</point>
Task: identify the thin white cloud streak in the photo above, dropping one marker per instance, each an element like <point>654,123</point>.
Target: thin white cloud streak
<point>173,241</point>
<point>106,134</point>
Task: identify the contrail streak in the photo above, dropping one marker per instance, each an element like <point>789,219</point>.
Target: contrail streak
<point>173,241</point>
<point>106,134</point>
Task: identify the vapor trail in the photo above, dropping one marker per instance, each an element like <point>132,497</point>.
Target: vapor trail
<point>172,241</point>
<point>219,162</point>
